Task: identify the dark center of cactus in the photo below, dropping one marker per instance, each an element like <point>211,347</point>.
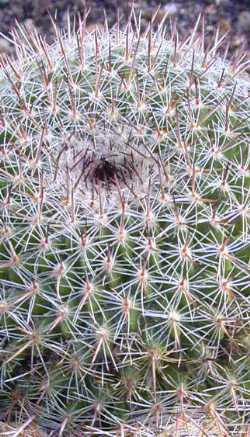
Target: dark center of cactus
<point>107,171</point>
<point>103,165</point>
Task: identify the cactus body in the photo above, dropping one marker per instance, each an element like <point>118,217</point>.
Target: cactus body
<point>124,253</point>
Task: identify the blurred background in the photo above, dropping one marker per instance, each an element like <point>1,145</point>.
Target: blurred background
<point>232,16</point>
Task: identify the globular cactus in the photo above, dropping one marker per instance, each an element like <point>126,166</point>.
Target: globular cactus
<point>124,256</point>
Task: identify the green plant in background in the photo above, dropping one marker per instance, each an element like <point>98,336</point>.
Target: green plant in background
<point>124,254</point>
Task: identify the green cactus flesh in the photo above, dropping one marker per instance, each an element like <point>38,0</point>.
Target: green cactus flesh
<point>124,251</point>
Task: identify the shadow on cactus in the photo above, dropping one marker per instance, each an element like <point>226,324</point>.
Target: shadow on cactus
<point>124,254</point>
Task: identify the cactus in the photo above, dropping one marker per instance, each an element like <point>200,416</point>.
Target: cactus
<point>124,252</point>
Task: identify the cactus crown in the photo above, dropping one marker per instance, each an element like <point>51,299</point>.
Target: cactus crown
<point>124,253</point>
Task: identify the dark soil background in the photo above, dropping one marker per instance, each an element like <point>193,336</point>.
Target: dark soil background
<point>233,16</point>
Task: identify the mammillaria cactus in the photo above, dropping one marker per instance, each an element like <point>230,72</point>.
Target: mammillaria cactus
<point>124,254</point>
